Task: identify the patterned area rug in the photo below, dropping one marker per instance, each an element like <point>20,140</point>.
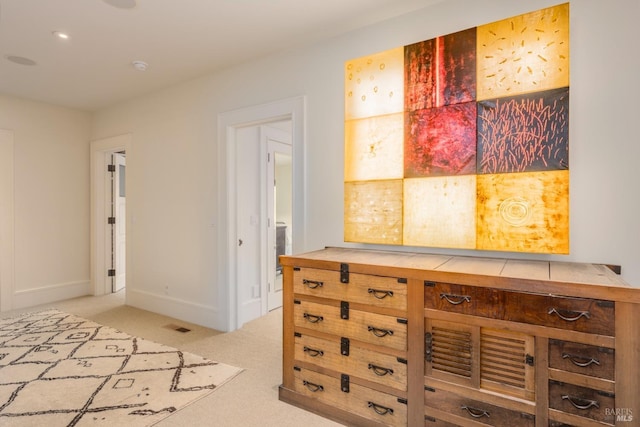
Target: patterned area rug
<point>57,369</point>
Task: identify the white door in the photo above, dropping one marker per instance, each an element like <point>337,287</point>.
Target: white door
<point>119,228</point>
<point>279,190</point>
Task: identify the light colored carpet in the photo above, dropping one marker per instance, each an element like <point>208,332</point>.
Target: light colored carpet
<point>250,400</point>
<point>58,369</point>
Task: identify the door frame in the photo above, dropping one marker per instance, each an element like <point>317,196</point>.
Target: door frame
<point>101,151</point>
<point>288,109</point>
<point>7,260</point>
<point>269,202</point>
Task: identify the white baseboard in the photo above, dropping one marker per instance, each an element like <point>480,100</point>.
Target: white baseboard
<point>188,311</point>
<point>48,294</point>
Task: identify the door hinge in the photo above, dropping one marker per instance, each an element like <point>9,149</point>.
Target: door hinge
<point>111,220</point>
<point>111,168</point>
<point>529,360</point>
<point>111,273</point>
<point>428,343</point>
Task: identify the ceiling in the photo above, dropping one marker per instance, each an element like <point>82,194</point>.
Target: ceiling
<point>179,40</point>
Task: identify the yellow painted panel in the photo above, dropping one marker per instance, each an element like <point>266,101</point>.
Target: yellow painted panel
<point>524,212</point>
<point>374,84</point>
<point>526,53</point>
<point>440,212</point>
<point>374,148</point>
<point>373,212</point>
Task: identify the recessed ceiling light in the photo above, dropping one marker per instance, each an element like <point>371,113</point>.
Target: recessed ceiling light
<point>121,4</point>
<point>20,60</point>
<point>61,35</point>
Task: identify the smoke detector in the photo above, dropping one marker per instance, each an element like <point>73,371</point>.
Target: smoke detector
<point>140,65</point>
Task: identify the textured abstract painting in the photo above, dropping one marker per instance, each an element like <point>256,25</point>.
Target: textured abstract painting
<point>462,141</point>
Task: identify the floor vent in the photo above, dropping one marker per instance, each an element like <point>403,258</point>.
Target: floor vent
<point>178,328</point>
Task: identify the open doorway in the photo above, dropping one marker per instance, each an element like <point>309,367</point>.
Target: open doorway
<point>244,261</point>
<point>263,214</point>
<point>102,210</point>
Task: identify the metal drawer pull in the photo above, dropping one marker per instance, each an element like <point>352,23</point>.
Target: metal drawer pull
<point>576,360</point>
<point>475,412</point>
<point>568,313</point>
<point>579,403</point>
<point>312,284</point>
<point>379,332</point>
<point>380,294</point>
<point>380,410</point>
<point>313,352</point>
<point>455,299</point>
<point>380,371</point>
<point>313,318</point>
<point>312,387</point>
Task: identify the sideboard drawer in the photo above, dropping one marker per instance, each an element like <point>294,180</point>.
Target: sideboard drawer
<point>577,314</point>
<point>374,405</point>
<point>582,401</point>
<point>342,356</point>
<point>378,329</point>
<point>582,359</point>
<point>473,410</point>
<point>378,291</point>
<point>485,302</point>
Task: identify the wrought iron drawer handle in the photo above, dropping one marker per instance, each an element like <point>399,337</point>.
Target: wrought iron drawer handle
<point>312,284</point>
<point>380,371</point>
<point>313,318</point>
<point>313,352</point>
<point>379,332</point>
<point>377,293</point>
<point>475,412</point>
<point>380,410</point>
<point>579,403</point>
<point>577,360</point>
<point>455,299</point>
<point>312,387</point>
<point>569,315</point>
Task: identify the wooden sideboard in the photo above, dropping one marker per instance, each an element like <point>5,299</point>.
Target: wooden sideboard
<point>408,339</point>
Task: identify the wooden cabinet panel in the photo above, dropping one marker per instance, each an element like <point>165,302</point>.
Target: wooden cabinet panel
<point>377,329</point>
<point>474,410</point>
<point>377,291</point>
<point>367,364</point>
<point>381,407</point>
<point>577,314</point>
<point>582,401</point>
<point>480,357</point>
<point>582,359</point>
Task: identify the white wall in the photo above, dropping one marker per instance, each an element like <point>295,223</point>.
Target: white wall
<point>173,166</point>
<point>51,202</point>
